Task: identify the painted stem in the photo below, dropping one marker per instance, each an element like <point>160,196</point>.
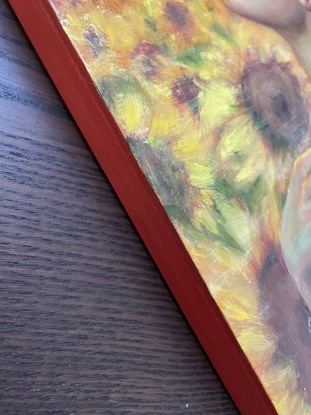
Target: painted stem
<point>300,41</point>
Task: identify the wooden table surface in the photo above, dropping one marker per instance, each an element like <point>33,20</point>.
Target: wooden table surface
<point>87,324</point>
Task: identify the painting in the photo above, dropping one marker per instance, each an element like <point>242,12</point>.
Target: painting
<point>213,99</point>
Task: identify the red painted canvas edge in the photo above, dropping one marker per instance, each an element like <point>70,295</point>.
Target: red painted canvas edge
<point>111,150</point>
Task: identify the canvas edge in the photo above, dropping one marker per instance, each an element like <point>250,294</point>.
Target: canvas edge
<point>160,237</point>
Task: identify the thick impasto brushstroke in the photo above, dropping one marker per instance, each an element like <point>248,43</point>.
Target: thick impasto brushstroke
<point>213,98</point>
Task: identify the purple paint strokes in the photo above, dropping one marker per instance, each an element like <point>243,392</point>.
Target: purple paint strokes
<point>97,41</point>
<point>185,91</point>
<point>148,55</point>
<point>179,16</point>
<point>290,320</point>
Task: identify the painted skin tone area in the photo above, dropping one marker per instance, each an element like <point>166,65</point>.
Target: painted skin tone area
<point>292,20</point>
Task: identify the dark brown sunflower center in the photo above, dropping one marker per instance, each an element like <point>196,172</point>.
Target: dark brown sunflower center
<point>273,95</point>
<point>280,107</point>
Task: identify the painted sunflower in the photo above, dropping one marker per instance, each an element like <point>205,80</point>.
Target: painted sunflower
<point>255,116</point>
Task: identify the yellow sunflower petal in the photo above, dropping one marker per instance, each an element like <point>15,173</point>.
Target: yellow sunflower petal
<point>218,103</point>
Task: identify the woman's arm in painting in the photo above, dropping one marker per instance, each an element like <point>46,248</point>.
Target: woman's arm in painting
<point>290,18</point>
<point>300,41</point>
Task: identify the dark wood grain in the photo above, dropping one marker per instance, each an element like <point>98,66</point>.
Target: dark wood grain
<point>87,324</point>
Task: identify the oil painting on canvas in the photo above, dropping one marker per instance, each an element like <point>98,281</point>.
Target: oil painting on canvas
<point>213,98</point>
